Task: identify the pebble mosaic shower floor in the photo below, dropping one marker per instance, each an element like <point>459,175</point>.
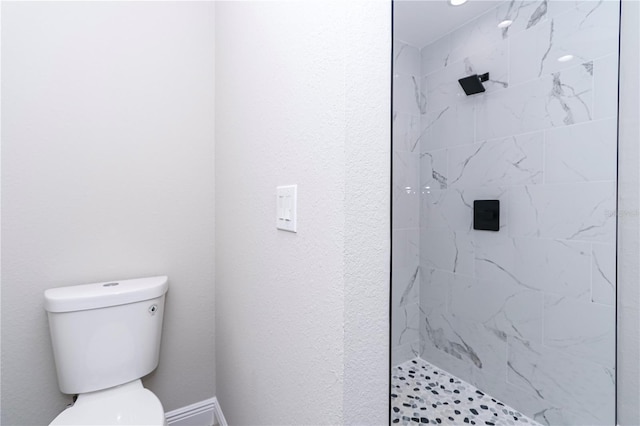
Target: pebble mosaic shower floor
<point>423,394</point>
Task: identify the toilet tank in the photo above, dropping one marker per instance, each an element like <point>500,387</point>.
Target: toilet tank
<point>105,334</point>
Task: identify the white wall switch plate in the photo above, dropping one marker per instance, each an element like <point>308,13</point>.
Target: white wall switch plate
<point>286,202</point>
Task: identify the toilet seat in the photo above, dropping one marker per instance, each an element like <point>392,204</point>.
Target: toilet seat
<point>129,404</point>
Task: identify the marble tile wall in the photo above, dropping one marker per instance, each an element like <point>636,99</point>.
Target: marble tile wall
<point>408,106</point>
<point>526,313</point>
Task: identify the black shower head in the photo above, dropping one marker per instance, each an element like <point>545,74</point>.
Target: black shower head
<point>473,84</point>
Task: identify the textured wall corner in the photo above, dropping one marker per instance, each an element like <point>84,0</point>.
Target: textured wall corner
<point>302,319</point>
<point>367,213</point>
<point>279,121</point>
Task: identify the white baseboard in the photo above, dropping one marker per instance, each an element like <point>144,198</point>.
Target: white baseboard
<point>219,416</point>
<point>203,413</point>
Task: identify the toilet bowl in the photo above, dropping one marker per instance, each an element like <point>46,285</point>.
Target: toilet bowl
<point>128,404</point>
<point>105,338</point>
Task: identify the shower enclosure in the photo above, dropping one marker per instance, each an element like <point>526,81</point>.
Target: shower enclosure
<point>504,212</point>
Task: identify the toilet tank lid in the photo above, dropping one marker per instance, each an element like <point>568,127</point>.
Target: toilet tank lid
<point>104,294</point>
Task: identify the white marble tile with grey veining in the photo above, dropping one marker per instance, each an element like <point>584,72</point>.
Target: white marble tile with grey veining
<point>433,170</point>
<point>406,206</point>
<point>501,306</point>
<point>441,88</point>
<point>434,300</point>
<point>560,267</point>
<point>405,323</point>
<point>603,274</point>
<point>405,352</point>
<point>451,126</point>
<point>489,372</point>
<point>406,190</point>
<point>438,355</point>
<point>515,160</point>
<point>475,353</point>
<point>476,35</point>
<point>435,285</point>
<point>406,58</point>
<point>582,153</point>
<point>570,98</point>
<point>407,97</point>
<point>560,99</point>
<point>405,262</point>
<point>440,345</point>
<point>579,212</point>
<point>406,169</point>
<point>575,391</point>
<point>605,87</point>
<point>577,36</point>
<point>523,15</point>
<point>446,249</point>
<point>435,56</point>
<point>580,328</point>
<point>446,210</point>
<point>558,7</point>
<point>406,132</point>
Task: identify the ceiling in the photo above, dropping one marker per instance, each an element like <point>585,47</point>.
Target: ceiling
<point>419,23</point>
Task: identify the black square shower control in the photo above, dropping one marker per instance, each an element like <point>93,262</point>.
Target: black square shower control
<point>486,215</point>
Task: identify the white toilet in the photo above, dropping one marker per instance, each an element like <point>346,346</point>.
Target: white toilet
<point>105,337</point>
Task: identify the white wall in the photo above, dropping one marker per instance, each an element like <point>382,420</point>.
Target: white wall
<point>628,374</point>
<point>302,97</point>
<point>107,173</point>
<point>367,223</point>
